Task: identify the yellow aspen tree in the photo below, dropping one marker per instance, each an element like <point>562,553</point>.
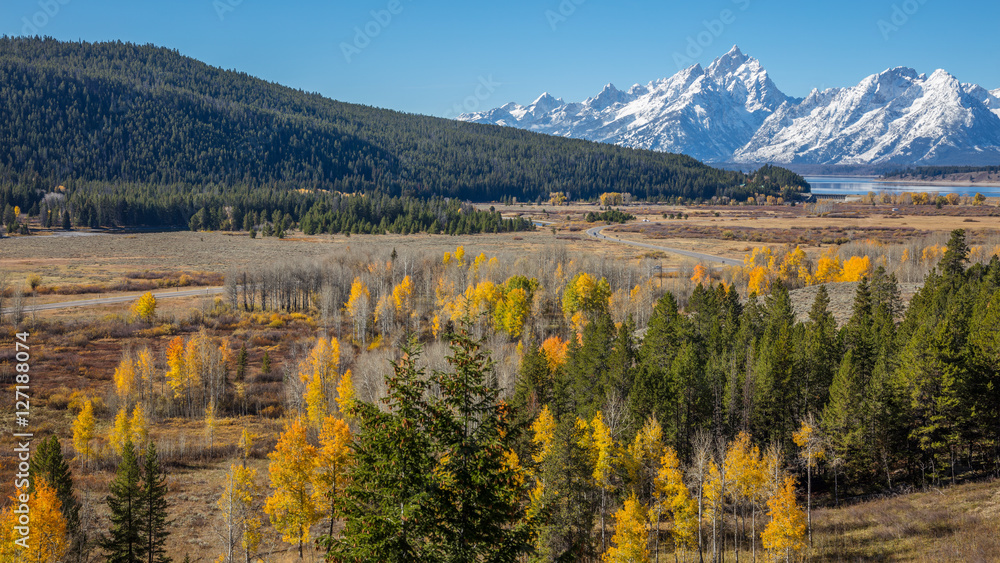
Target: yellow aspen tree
<point>597,442</point>
<point>460,255</point>
<point>715,496</point>
<point>345,394</point>
<point>745,466</point>
<point>83,431</point>
<point>855,268</point>
<point>124,377</point>
<point>631,539</point>
<point>49,537</point>
<point>332,464</point>
<point>144,367</point>
<point>812,450</point>
<point>121,432</point>
<point>241,518</point>
<point>672,491</point>
<point>786,531</point>
<point>316,402</point>
<point>359,308</point>
<point>246,443</point>
<point>139,427</point>
<point>828,268</point>
<point>543,431</point>
<point>144,308</point>
<point>291,506</point>
<point>402,297</point>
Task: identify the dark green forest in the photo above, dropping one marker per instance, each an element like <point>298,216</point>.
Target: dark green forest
<point>938,171</point>
<point>141,135</point>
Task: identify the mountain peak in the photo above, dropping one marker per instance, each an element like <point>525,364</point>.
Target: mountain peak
<point>731,111</point>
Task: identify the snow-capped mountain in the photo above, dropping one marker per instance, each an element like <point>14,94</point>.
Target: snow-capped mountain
<point>707,113</point>
<point>732,111</point>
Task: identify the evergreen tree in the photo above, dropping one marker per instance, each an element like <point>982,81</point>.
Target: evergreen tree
<point>125,541</point>
<point>48,463</point>
<point>152,509</point>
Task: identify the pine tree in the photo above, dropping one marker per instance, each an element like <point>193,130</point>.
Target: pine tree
<point>47,463</point>
<point>152,509</point>
<point>124,543</point>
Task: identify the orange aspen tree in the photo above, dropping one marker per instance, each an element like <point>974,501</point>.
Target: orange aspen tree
<point>555,350</point>
<point>49,539</point>
<point>786,531</point>
<point>631,539</point>
<point>291,506</point>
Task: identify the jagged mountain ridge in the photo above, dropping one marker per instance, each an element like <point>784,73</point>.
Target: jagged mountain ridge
<point>731,111</point>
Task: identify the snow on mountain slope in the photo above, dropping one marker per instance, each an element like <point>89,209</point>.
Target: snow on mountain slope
<point>706,113</point>
<point>895,116</point>
<point>732,111</point>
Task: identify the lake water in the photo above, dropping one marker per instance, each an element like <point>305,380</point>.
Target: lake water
<point>856,185</point>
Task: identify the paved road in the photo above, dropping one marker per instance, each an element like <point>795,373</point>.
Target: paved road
<point>596,233</point>
<point>118,299</point>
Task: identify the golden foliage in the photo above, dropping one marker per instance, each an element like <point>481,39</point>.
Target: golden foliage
<point>786,531</point>
<point>345,393</point>
<point>674,494</point>
<point>555,350</point>
<point>543,432</point>
<point>701,276</point>
<point>124,377</point>
<point>290,506</point>
<point>631,539</point>
<point>120,432</point>
<point>332,464</point>
<point>83,431</point>
<point>144,307</point>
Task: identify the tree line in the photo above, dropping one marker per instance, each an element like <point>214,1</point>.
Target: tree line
<point>107,119</point>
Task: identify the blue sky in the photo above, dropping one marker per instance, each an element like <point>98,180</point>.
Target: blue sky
<point>433,57</point>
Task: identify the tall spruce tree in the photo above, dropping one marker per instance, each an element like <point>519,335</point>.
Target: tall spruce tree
<point>48,463</point>
<point>153,509</point>
<point>124,542</point>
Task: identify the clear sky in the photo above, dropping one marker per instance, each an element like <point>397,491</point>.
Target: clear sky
<point>434,57</point>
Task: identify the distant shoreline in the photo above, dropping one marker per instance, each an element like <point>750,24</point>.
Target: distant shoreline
<point>904,181</point>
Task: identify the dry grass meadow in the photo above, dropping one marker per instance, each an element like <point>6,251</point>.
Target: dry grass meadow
<point>77,349</point>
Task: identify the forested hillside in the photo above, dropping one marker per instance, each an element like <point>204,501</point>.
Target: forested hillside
<point>144,135</point>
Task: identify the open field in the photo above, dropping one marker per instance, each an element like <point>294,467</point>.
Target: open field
<point>78,349</point>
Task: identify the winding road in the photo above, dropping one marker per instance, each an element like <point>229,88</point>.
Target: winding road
<point>596,233</point>
<point>116,299</point>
